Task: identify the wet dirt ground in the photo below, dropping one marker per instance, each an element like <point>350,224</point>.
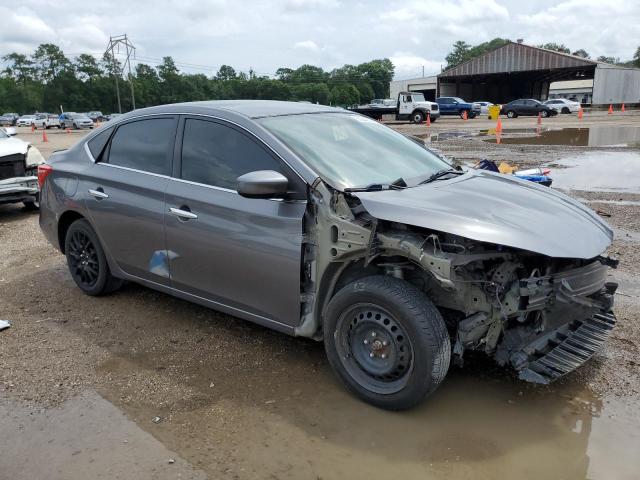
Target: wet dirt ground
<point>142,385</point>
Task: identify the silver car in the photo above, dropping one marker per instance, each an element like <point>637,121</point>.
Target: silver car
<point>322,223</point>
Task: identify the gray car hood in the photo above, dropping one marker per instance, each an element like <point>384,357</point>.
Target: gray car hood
<point>498,209</point>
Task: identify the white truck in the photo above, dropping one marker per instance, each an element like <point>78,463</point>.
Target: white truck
<point>46,120</point>
<point>410,106</point>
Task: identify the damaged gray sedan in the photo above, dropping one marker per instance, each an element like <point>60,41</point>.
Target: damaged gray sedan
<point>325,224</point>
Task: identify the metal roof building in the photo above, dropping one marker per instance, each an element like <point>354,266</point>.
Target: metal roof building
<point>515,70</point>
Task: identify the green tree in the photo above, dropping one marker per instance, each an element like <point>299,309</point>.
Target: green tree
<point>555,47</point>
<point>226,73</point>
<point>463,52</point>
<point>50,62</point>
<point>581,53</point>
<point>19,67</point>
<point>87,67</point>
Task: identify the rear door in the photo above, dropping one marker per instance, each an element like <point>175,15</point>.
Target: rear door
<point>243,253</point>
<point>125,193</point>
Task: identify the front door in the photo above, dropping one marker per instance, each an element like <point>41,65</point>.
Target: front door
<point>238,252</point>
<point>124,194</point>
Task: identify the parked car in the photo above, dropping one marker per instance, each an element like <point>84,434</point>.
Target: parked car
<point>527,106</point>
<point>457,106</point>
<point>19,163</point>
<point>25,120</point>
<point>484,107</point>
<point>562,105</point>
<point>46,120</point>
<point>75,120</point>
<point>96,116</point>
<point>112,116</point>
<point>322,223</point>
<point>9,119</point>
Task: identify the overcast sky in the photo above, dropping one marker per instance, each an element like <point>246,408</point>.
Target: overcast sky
<point>266,34</point>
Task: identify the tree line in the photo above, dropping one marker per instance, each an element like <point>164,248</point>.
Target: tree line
<point>47,80</point>
<point>463,52</point>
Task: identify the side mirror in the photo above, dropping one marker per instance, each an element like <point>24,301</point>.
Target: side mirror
<point>262,184</point>
<point>11,131</point>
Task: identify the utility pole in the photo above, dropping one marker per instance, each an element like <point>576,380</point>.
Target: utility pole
<point>114,47</point>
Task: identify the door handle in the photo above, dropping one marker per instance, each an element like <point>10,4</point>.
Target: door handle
<point>99,194</point>
<point>184,214</point>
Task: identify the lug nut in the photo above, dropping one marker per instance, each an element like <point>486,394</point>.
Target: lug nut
<point>385,343</point>
<point>366,342</point>
<point>384,355</point>
<point>371,355</point>
<point>373,334</point>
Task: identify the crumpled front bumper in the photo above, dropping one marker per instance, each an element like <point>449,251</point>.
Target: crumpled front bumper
<point>18,188</point>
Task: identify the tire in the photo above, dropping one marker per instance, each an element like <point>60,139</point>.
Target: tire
<point>364,315</point>
<point>511,114</point>
<point>462,113</point>
<point>544,113</point>
<point>565,110</point>
<point>34,204</point>
<point>417,117</point>
<point>87,262</point>
<point>75,127</point>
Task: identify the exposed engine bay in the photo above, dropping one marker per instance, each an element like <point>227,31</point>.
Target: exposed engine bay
<point>541,315</point>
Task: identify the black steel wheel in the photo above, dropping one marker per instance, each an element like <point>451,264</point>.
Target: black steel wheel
<point>86,260</point>
<point>374,348</point>
<point>386,342</point>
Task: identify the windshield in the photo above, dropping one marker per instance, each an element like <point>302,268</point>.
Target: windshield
<point>3,134</point>
<point>417,97</point>
<point>352,151</point>
<point>78,115</point>
<point>458,99</point>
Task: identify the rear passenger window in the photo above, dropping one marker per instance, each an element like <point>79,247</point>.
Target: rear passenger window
<point>96,144</point>
<point>145,145</point>
<point>215,154</point>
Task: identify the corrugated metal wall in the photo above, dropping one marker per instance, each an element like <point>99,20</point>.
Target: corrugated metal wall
<point>616,85</point>
<point>515,57</point>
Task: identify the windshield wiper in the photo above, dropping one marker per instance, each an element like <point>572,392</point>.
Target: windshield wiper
<point>398,184</point>
<point>440,174</point>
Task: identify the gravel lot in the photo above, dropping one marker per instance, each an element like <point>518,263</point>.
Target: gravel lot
<point>192,393</point>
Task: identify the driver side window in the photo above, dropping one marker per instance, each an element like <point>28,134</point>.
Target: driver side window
<point>216,154</point>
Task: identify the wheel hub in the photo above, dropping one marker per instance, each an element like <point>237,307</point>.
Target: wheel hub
<point>377,347</point>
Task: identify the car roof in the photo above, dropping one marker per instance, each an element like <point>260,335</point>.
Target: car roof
<point>247,108</point>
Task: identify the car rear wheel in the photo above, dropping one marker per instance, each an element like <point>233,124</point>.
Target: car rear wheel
<point>565,110</point>
<point>86,260</point>
<point>511,114</point>
<point>386,342</point>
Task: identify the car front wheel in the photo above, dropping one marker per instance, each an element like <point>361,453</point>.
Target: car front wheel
<point>511,114</point>
<point>544,113</point>
<point>86,260</point>
<point>417,117</point>
<point>386,342</point>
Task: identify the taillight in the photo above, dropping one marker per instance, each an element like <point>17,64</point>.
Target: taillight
<point>43,172</point>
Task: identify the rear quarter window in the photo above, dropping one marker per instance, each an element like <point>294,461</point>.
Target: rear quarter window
<point>96,144</point>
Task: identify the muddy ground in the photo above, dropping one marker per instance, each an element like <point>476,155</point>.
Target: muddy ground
<point>142,385</point>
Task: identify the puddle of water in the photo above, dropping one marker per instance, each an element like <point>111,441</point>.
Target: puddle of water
<point>599,171</point>
<point>595,136</point>
<point>442,136</point>
<point>470,428</point>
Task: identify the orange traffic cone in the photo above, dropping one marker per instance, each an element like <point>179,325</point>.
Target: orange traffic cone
<point>622,109</point>
<point>428,119</point>
<point>44,136</point>
<point>580,114</point>
<point>68,130</point>
<point>539,119</point>
<point>464,115</point>
<point>610,109</point>
<point>499,125</point>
